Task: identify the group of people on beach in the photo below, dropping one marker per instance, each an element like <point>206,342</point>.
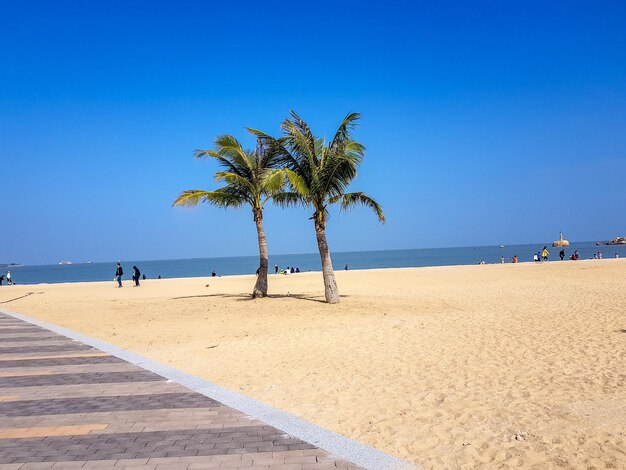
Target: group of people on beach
<point>119,272</point>
<point>8,278</point>
<point>287,270</point>
<point>544,254</point>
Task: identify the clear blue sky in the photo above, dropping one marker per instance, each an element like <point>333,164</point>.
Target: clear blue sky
<point>485,122</point>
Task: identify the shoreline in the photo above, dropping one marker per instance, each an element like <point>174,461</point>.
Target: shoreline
<point>273,275</point>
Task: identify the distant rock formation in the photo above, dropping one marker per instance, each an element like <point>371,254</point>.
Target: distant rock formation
<point>560,241</point>
<point>614,241</point>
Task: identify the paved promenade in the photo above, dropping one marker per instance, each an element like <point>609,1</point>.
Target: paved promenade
<point>66,405</point>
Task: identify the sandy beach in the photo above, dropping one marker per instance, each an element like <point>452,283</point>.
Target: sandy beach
<point>494,366</point>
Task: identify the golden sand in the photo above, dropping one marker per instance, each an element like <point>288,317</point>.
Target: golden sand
<point>495,366</point>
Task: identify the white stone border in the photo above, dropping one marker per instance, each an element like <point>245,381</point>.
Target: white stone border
<point>336,444</point>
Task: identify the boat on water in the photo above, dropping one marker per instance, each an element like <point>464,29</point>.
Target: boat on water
<point>65,262</point>
<point>614,241</point>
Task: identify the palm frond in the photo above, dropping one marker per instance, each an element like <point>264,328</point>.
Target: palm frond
<point>339,170</point>
<point>298,183</point>
<point>348,124</point>
<point>219,198</point>
<point>223,161</point>
<point>230,148</point>
<point>274,148</point>
<point>273,181</point>
<point>233,179</point>
<point>350,200</point>
<point>303,147</point>
<point>289,199</point>
<point>303,129</point>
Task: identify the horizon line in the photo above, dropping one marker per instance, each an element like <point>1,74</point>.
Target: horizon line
<point>13,264</point>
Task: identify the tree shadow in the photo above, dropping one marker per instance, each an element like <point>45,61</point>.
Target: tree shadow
<point>248,297</point>
<point>21,297</point>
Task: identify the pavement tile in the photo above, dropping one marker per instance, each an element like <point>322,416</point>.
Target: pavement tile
<point>66,405</point>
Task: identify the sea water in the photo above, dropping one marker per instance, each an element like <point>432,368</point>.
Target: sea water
<point>305,262</point>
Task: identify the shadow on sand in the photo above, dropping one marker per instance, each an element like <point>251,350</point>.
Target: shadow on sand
<point>245,297</point>
<point>21,297</point>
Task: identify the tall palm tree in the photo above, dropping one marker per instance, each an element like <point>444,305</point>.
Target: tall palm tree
<point>251,177</point>
<point>319,174</point>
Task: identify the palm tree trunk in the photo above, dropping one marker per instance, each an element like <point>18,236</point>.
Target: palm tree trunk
<point>260,288</point>
<point>330,284</point>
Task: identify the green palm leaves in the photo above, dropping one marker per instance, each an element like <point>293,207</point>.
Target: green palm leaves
<point>319,175</point>
<point>249,177</point>
<point>297,168</point>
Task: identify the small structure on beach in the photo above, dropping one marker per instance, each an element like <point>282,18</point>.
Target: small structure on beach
<point>560,241</point>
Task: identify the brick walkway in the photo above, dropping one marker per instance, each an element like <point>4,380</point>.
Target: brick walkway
<point>66,405</point>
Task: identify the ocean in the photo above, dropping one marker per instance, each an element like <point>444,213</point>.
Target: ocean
<point>195,267</point>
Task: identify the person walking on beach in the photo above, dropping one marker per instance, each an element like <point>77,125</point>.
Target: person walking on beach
<point>545,253</point>
<point>515,258</point>
<point>2,277</point>
<point>9,279</point>
<point>562,254</point>
<point>136,275</point>
<point>275,269</point>
<point>119,272</point>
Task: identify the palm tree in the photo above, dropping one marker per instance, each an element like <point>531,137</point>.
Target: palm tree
<point>319,175</point>
<point>250,177</point>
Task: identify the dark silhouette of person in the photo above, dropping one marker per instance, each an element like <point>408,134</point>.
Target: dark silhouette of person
<point>275,269</point>
<point>119,272</point>
<point>213,274</point>
<point>144,277</point>
<point>346,267</point>
<point>1,279</point>
<point>562,254</point>
<point>136,275</point>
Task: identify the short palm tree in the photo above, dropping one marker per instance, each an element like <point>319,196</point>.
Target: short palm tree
<point>319,174</point>
<point>250,177</point>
